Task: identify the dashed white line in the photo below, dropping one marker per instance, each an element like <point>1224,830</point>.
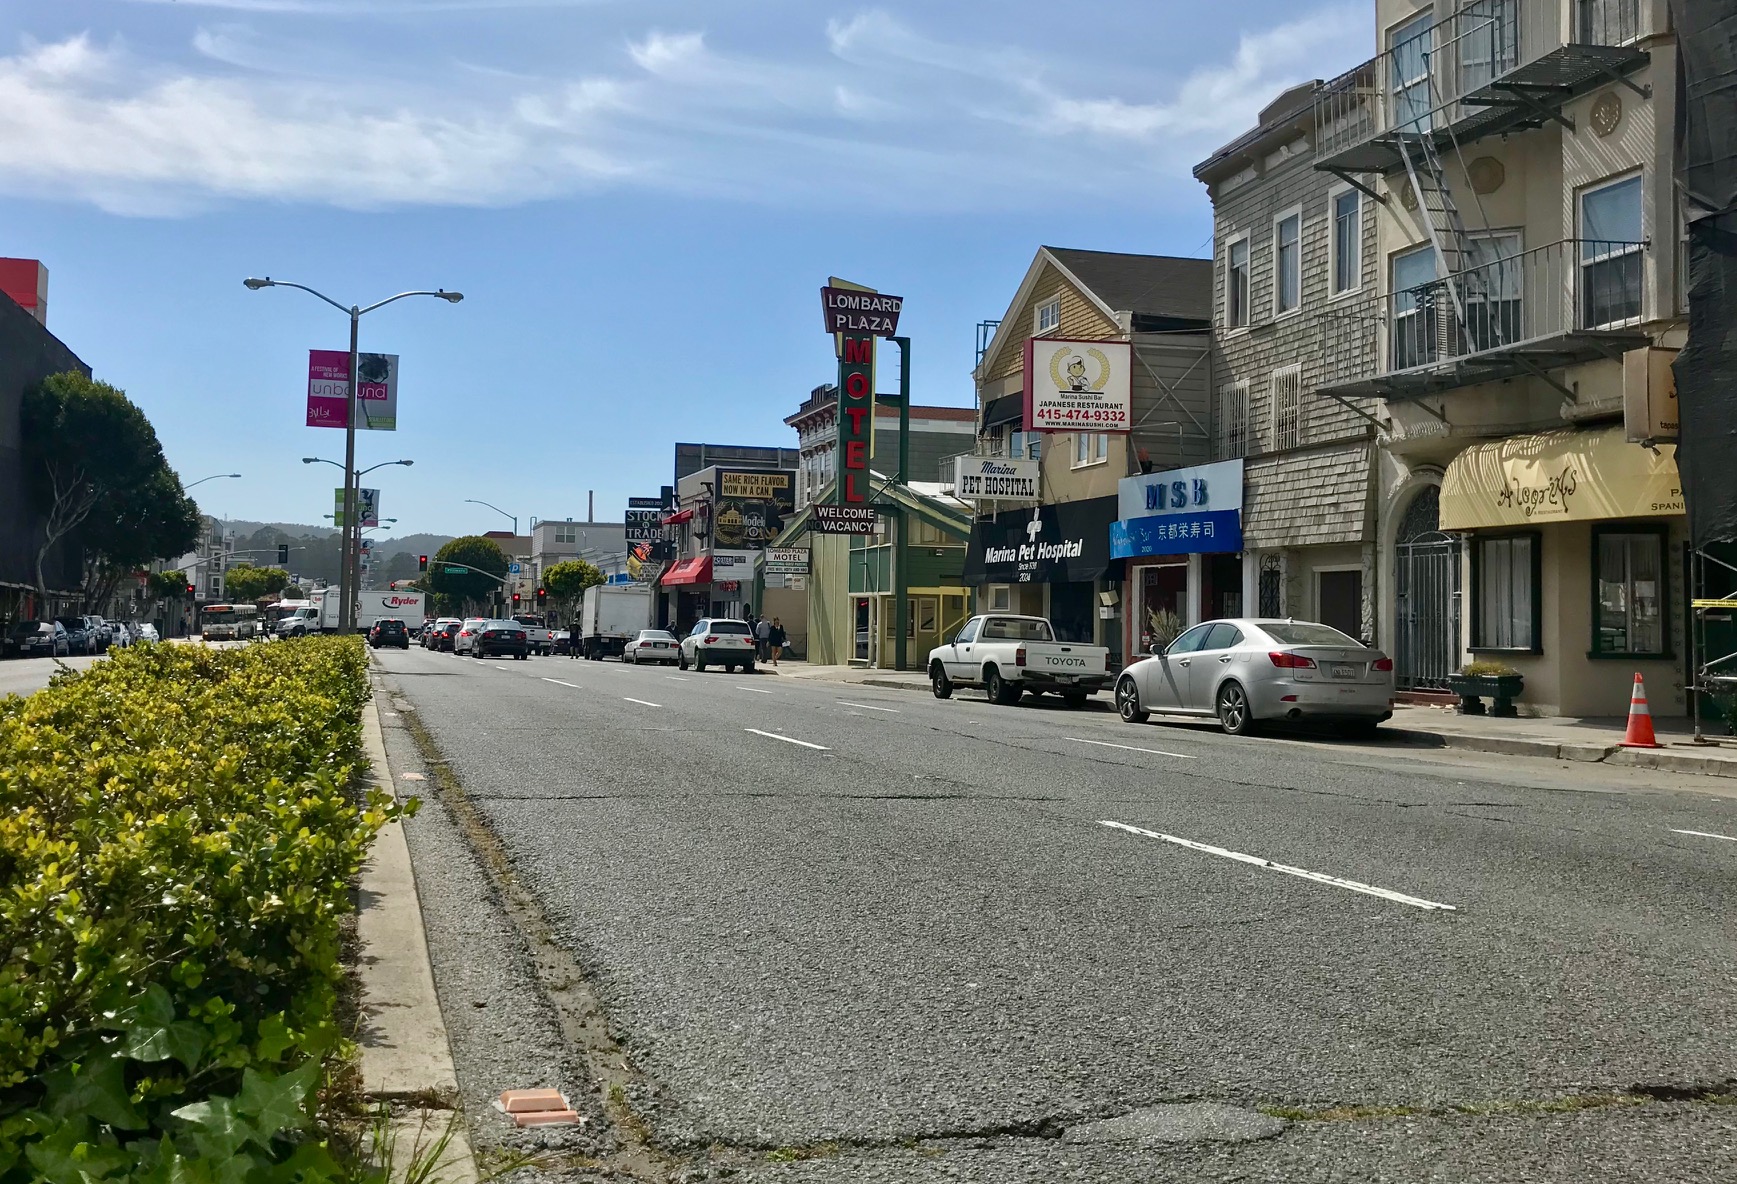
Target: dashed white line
<point>1416,902</point>
<point>677,678</point>
<point>498,666</point>
<point>867,706</point>
<point>1130,748</point>
<point>787,739</point>
<point>559,683</point>
<point>641,702</point>
<point>1705,834</point>
<point>756,690</point>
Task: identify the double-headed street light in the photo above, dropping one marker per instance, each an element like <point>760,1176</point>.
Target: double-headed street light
<point>347,578</point>
<point>351,527</point>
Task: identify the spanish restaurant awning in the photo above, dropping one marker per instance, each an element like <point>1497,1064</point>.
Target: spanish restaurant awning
<point>689,571</point>
<point>1565,476</point>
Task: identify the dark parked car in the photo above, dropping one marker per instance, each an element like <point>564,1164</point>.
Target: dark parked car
<point>439,635</point>
<point>79,638</point>
<point>389,631</point>
<point>502,637</point>
<point>39,639</point>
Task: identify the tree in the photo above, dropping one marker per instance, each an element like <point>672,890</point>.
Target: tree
<point>463,588</point>
<point>245,582</point>
<point>90,449</point>
<point>130,527</point>
<point>167,585</point>
<point>567,581</point>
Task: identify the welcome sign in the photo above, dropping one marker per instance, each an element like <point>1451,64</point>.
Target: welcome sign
<point>1196,510</point>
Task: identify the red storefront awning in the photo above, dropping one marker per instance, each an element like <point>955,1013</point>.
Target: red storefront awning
<point>679,517</point>
<point>689,571</point>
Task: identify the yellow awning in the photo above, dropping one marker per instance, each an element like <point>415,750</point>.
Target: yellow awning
<point>1565,476</point>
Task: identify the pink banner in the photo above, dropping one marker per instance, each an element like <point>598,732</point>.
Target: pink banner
<point>328,388</point>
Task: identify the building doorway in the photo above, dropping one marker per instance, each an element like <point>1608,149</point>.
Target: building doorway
<point>1073,612</point>
<point>1426,587</point>
<point>1161,613</point>
<point>1339,600</point>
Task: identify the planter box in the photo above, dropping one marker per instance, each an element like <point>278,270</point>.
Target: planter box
<point>1474,688</point>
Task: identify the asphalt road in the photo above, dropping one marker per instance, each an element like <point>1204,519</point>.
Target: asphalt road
<point>845,933</point>
<point>26,676</point>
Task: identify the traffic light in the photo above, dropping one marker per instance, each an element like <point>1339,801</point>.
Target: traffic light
<point>515,600</point>
<point>542,597</point>
<point>283,554</point>
<point>189,589</point>
<point>422,563</point>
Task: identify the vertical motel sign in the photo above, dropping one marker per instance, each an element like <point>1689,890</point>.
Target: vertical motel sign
<point>856,319</point>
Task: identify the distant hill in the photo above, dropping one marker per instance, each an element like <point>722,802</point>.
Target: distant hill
<point>385,544</point>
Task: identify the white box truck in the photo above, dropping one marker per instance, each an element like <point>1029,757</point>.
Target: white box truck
<point>371,606</point>
<point>612,615</point>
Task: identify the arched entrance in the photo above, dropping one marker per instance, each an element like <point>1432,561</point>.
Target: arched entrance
<point>1426,585</point>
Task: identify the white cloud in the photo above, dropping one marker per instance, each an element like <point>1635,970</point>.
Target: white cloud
<point>914,122</point>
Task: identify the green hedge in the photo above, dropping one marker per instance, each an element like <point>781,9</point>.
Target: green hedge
<point>179,831</point>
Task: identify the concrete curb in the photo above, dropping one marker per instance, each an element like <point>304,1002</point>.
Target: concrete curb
<point>405,1053</point>
<point>1667,760</point>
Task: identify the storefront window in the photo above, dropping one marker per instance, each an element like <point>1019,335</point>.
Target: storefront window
<point>1629,592</point>
<point>1506,577</point>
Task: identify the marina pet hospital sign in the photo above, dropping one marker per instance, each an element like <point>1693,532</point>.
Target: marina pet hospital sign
<point>1179,512</point>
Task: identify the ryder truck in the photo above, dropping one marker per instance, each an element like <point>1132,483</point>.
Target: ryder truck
<point>371,606</point>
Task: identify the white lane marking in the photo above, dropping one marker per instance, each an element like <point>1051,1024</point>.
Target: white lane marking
<point>1416,902</point>
<point>677,678</point>
<point>641,702</point>
<point>786,739</point>
<point>867,706</point>
<point>559,683</point>
<point>1129,747</point>
<point>498,666</point>
<point>1705,834</point>
<point>756,690</point>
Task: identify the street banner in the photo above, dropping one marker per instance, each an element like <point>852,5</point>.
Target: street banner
<point>329,390</point>
<point>644,519</point>
<point>368,503</point>
<point>995,478</point>
<point>1078,386</point>
<point>842,519</point>
<point>787,561</point>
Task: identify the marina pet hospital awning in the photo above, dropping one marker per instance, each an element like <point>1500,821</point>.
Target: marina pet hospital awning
<point>689,571</point>
<point>1061,543</point>
<point>1564,476</point>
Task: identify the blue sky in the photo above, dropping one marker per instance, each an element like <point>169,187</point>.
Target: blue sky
<point>639,198</point>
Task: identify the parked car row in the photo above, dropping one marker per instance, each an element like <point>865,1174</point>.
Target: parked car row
<point>1242,671</point>
<point>481,637</point>
<point>68,636</point>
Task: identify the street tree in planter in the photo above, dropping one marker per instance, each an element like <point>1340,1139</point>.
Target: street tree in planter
<point>567,581</point>
<point>462,589</point>
<point>90,451</point>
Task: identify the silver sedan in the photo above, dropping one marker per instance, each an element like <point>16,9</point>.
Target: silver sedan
<point>1249,671</point>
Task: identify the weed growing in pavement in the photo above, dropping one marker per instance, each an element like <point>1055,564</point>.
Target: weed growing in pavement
<point>797,1154</point>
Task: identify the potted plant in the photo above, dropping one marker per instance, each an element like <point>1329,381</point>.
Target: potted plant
<point>1478,680</point>
<point>1162,628</point>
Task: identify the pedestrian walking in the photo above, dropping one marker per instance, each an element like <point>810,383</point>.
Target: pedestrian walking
<point>778,639</point>
<point>763,639</point>
<point>573,636</point>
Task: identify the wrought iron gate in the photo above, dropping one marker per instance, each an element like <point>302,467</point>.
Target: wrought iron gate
<point>1426,587</point>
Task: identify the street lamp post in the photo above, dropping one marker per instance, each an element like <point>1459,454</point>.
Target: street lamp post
<point>348,582</point>
<point>477,501</point>
<point>351,531</point>
<point>203,480</point>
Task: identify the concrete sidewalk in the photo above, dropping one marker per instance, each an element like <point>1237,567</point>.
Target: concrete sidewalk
<point>1559,738</point>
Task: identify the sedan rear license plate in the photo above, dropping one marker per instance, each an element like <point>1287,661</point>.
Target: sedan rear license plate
<point>1344,670</point>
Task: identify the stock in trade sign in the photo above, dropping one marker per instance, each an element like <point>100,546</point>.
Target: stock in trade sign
<point>857,317</point>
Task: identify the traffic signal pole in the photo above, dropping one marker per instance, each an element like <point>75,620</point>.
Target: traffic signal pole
<point>901,546</point>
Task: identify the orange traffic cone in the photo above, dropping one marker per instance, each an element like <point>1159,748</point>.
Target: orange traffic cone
<point>1640,720</point>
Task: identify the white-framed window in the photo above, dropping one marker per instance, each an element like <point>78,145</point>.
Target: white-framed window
<point>1000,598</point>
<point>1232,420</point>
<point>1611,271</point>
<point>1608,22</point>
<point>1347,240</point>
<point>565,533</point>
<point>1413,327</point>
<point>1411,46</point>
<point>1236,283</point>
<point>1091,448</point>
<point>1287,406</point>
<point>1287,262</point>
<point>1049,316</point>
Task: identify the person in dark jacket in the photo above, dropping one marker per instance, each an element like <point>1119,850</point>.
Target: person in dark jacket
<point>777,639</point>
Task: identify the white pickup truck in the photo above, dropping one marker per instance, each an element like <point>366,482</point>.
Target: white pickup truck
<point>1006,655</point>
<point>539,638</point>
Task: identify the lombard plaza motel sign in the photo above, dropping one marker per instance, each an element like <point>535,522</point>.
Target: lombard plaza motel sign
<point>856,318</point>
